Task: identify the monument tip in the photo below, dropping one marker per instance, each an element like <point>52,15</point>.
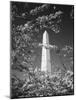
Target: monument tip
<point>45,32</point>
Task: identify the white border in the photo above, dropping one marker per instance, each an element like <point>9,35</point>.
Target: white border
<point>5,48</point>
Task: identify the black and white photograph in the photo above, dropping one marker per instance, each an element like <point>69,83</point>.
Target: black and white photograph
<point>41,49</point>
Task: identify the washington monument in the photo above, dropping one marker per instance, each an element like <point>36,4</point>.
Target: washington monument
<point>46,53</point>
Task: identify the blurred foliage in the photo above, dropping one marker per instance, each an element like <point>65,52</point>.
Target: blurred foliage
<point>40,84</point>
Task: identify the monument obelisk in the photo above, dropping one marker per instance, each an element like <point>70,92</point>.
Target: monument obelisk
<point>46,56</point>
<point>45,60</point>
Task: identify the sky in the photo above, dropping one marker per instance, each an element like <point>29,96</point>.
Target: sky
<point>64,39</point>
